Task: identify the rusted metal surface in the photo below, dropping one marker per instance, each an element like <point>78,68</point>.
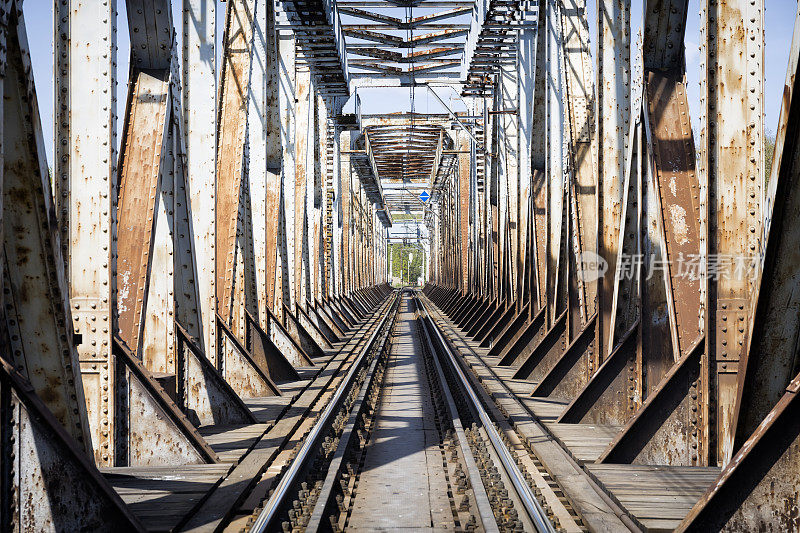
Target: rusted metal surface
<point>304,108</point>
<point>85,162</point>
<point>204,394</point>
<point>256,168</point>
<point>663,431</point>
<point>568,376</point>
<point>36,306</point>
<point>582,149</point>
<point>678,193</point>
<point>758,488</point>
<point>49,480</point>
<point>770,361</point>
<point>231,126</point>
<point>309,339</point>
<point>287,344</point>
<point>246,232</point>
<point>241,370</point>
<point>158,336</point>
<point>732,157</point>
<point>610,395</point>
<point>199,76</point>
<point>547,352</point>
<point>152,428</point>
<point>141,160</point>
<point>141,157</point>
<point>613,117</point>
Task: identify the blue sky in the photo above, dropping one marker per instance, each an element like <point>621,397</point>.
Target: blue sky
<point>778,28</point>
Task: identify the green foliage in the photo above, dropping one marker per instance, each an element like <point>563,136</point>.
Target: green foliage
<point>400,265</point>
<point>769,154</point>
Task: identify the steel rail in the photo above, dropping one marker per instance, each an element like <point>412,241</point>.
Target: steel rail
<point>532,506</point>
<point>479,491</point>
<point>288,480</point>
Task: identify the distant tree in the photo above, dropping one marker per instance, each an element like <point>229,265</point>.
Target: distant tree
<point>400,265</point>
<point>769,154</point>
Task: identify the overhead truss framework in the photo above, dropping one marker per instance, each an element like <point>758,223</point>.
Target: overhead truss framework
<point>403,43</point>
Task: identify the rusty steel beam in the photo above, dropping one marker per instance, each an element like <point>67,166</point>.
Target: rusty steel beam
<point>231,125</point>
<point>85,162</point>
<point>37,334</point>
<point>139,173</point>
<point>256,171</point>
<point>613,118</point>
<point>199,75</point>
<point>770,361</point>
<point>732,154</point>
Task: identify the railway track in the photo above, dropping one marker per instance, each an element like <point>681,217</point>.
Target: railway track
<point>406,441</point>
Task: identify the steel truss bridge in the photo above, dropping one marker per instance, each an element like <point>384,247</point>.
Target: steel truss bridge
<point>198,333</point>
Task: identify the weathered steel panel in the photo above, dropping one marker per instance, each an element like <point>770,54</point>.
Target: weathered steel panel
<point>285,343</point>
<point>464,165</point>
<point>304,125</point>
<point>266,354</point>
<point>241,373</point>
<point>556,160</point>
<point>199,126</point>
<point>664,28</point>
<point>140,163</point>
<point>206,396</point>
<point>50,483</point>
<point>37,312</point>
<point>771,359</point>
<point>85,161</point>
<point>345,214</point>
<point>613,118</point>
<point>286,99</point>
<point>527,69</point>
<point>151,430</point>
<point>188,300</point>
<point>732,154</point>
<point>231,128</point>
<point>157,344</point>
<point>678,195</point>
<point>256,155</point>
<point>582,138</point>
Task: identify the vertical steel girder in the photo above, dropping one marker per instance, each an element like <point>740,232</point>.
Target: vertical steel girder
<point>199,75</point>
<point>232,125</point>
<point>286,101</point>
<point>758,487</point>
<point>732,156</point>
<point>613,119</point>
<point>85,161</point>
